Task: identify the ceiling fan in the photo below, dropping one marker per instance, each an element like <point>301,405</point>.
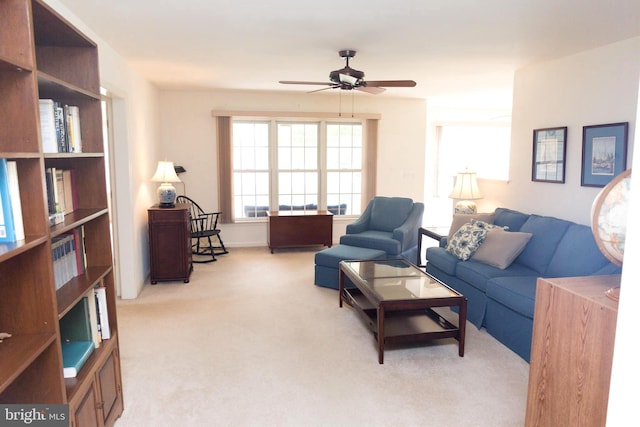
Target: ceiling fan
<point>348,78</point>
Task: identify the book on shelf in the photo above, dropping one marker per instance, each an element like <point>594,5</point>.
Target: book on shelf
<point>62,198</point>
<point>75,336</point>
<point>48,126</point>
<point>75,134</point>
<point>61,131</point>
<point>60,127</point>
<point>16,204</point>
<point>103,314</point>
<point>65,196</point>
<point>74,355</point>
<point>93,317</point>
<point>55,216</point>
<point>8,213</point>
<point>80,253</point>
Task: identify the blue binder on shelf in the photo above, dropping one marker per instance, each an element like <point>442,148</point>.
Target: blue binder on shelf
<point>7,227</point>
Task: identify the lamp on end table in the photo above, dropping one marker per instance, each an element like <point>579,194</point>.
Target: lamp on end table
<point>466,190</point>
<point>166,174</point>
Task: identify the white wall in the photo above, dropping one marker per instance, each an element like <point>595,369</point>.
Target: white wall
<point>134,150</point>
<point>594,87</point>
<point>188,138</point>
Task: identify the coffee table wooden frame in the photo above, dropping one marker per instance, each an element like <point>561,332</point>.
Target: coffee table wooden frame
<point>402,320</point>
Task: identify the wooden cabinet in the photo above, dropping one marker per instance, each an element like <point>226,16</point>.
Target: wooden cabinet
<point>572,349</point>
<point>101,403</point>
<point>170,243</point>
<point>42,56</point>
<point>299,228</point>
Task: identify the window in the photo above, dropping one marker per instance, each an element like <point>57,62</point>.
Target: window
<point>305,165</point>
<point>298,166</point>
<point>251,168</point>
<point>481,149</point>
<point>344,166</point>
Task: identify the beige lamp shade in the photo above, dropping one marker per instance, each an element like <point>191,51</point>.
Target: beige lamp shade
<point>466,190</point>
<point>165,173</point>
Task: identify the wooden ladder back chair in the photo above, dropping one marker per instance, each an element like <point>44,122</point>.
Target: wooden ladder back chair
<point>204,231</point>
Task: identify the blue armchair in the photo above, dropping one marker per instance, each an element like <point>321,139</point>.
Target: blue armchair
<point>389,224</point>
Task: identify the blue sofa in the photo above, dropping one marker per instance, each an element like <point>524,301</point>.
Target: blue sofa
<point>502,300</point>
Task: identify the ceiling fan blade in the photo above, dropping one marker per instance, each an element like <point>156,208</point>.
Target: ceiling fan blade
<point>374,90</point>
<point>391,83</point>
<point>324,88</point>
<point>290,82</point>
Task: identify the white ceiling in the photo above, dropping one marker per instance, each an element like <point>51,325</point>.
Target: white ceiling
<point>451,48</point>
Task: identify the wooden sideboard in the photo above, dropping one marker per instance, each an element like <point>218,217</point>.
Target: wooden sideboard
<point>170,243</point>
<point>299,228</point>
<point>574,329</point>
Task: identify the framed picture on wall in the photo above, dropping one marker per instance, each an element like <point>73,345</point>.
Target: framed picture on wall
<point>604,153</point>
<point>549,152</point>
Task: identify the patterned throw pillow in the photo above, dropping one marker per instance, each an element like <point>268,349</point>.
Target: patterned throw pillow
<point>466,240</point>
<point>488,226</point>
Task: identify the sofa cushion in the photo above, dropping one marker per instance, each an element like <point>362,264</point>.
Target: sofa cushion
<point>517,293</point>
<point>332,256</point>
<point>500,247</point>
<point>510,218</point>
<point>477,273</point>
<point>443,260</point>
<point>577,254</point>
<point>461,219</point>
<point>389,213</point>
<point>466,240</point>
<point>547,232</point>
<point>374,239</point>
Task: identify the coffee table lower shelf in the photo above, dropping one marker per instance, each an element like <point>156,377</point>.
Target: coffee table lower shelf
<point>405,326</point>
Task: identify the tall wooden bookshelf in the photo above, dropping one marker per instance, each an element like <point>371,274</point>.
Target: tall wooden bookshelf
<point>44,56</point>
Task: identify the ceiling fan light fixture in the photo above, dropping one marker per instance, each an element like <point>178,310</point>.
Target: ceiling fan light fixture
<point>346,78</point>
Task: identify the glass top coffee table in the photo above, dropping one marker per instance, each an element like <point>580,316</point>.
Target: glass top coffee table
<point>397,300</point>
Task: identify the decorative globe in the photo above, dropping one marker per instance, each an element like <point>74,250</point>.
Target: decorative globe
<point>609,217</point>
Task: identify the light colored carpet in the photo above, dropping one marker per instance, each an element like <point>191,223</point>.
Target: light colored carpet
<point>250,341</point>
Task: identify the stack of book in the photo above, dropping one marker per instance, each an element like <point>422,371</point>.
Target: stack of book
<point>60,127</point>
<point>76,336</point>
<point>11,225</point>
<point>82,330</point>
<point>69,258</point>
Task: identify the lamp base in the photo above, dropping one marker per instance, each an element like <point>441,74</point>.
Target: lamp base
<point>466,207</point>
<point>166,195</point>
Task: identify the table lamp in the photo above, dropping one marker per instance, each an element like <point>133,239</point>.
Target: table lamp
<point>166,174</point>
<point>466,190</point>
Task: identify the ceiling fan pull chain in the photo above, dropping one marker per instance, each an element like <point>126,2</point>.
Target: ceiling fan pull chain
<point>353,102</point>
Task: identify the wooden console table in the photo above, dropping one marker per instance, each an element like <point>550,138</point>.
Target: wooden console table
<point>299,228</point>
